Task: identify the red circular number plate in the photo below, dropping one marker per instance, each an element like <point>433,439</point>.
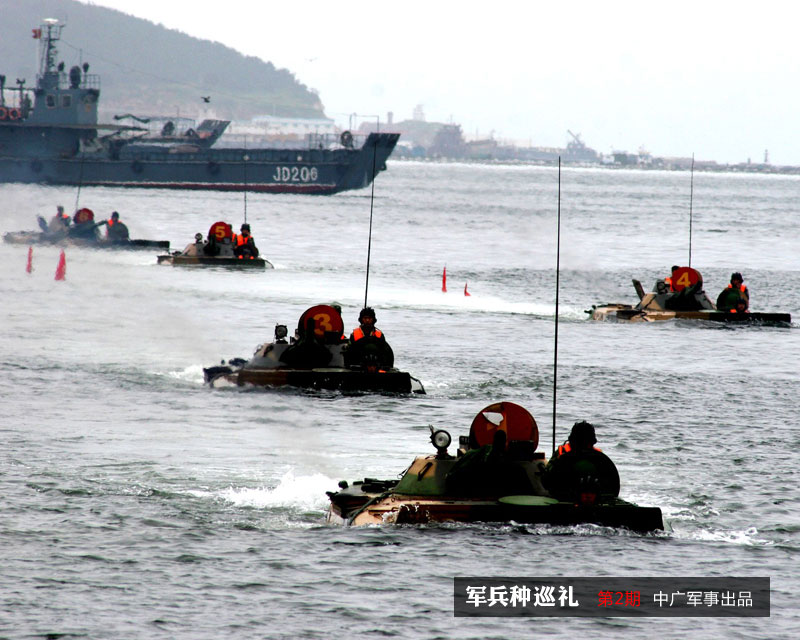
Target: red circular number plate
<point>685,277</point>
<point>519,424</point>
<point>220,231</point>
<point>83,215</point>
<point>325,317</point>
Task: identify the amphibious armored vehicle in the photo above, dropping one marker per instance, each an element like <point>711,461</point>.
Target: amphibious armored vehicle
<point>497,475</point>
<point>216,251</point>
<point>318,357</point>
<point>686,300</point>
<point>82,231</point>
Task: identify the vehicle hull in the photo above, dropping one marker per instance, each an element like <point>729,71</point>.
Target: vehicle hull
<point>628,313</point>
<point>211,261</point>
<point>518,488</point>
<point>37,237</point>
<point>402,509</point>
<point>332,379</point>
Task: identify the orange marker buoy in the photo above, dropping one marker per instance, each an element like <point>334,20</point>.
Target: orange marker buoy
<point>444,279</point>
<point>466,293</point>
<point>29,266</point>
<point>61,269</point>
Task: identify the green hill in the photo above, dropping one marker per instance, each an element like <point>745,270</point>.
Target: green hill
<point>148,69</point>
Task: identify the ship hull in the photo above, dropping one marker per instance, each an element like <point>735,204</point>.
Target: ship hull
<point>310,171</point>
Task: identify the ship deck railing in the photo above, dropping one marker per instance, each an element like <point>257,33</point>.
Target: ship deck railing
<point>88,81</point>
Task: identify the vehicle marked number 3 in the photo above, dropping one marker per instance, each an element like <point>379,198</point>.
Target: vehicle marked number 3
<point>326,319</point>
<point>295,174</point>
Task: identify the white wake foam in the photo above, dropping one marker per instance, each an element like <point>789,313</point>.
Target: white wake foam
<point>302,492</point>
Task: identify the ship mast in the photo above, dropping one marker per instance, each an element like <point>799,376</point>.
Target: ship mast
<point>50,33</point>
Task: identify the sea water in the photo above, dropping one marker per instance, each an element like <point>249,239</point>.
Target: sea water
<point>139,503</point>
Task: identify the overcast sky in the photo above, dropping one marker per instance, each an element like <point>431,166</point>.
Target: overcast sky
<point>717,79</point>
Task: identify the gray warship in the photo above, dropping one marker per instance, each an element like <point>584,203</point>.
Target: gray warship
<point>51,135</point>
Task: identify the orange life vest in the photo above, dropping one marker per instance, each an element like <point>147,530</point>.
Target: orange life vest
<point>668,282</point>
<point>111,222</point>
<point>358,333</point>
<point>567,447</point>
<point>741,287</point>
<point>238,240</point>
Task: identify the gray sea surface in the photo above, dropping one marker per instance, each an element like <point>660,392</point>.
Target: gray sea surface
<point>139,503</point>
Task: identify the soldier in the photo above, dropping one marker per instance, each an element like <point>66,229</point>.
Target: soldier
<point>243,244</point>
<point>116,231</point>
<point>366,326</point>
<point>58,223</point>
<point>668,280</point>
<point>581,438</point>
<point>736,290</point>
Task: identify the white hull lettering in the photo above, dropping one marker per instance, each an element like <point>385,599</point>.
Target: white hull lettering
<point>295,174</point>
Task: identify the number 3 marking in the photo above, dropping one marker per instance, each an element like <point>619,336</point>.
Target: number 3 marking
<point>322,323</point>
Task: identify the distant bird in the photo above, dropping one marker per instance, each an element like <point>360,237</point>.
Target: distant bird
<point>206,98</point>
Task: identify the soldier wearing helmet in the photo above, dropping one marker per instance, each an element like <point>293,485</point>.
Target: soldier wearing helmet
<point>668,280</point>
<point>244,246</point>
<point>733,293</point>
<point>116,230</point>
<point>581,438</point>
<point>366,327</point>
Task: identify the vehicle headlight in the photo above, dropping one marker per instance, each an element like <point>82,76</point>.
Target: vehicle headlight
<point>441,439</point>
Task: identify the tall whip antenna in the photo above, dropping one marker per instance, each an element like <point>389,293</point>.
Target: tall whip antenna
<point>371,202</point>
<point>80,180</point>
<point>245,158</point>
<point>558,275</point>
<point>691,198</point>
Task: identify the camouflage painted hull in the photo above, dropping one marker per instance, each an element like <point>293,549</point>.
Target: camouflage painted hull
<point>628,313</point>
<point>178,260</point>
<point>356,507</point>
<point>426,493</point>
